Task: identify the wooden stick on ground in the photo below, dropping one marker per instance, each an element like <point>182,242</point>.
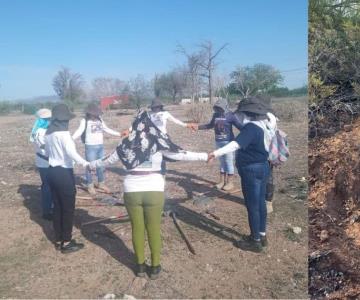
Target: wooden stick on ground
<point>85,198</point>
<point>104,219</point>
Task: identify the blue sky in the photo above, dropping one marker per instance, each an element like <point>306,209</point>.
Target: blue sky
<point>125,38</point>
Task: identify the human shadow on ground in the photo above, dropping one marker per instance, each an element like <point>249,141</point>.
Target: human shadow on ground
<point>200,221</point>
<point>32,201</point>
<point>100,235</point>
<point>186,181</point>
<point>191,217</point>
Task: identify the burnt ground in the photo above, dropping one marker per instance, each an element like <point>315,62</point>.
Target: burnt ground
<point>334,215</point>
<point>31,268</point>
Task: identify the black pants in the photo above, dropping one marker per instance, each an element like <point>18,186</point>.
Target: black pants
<point>63,191</point>
<point>270,187</point>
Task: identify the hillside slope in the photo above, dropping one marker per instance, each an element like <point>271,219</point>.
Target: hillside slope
<point>334,215</point>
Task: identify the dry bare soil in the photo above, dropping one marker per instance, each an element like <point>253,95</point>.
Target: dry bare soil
<point>334,215</point>
<point>31,268</point>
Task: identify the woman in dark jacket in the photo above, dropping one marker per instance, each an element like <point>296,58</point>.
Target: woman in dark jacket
<point>251,147</point>
<point>222,121</point>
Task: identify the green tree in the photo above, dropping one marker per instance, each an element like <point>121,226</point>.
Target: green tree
<point>68,86</point>
<point>250,80</point>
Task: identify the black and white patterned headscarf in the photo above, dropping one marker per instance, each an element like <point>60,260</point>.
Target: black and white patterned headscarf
<point>144,140</point>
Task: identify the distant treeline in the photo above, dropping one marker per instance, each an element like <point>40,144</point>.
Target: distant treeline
<point>30,108</point>
<point>286,92</point>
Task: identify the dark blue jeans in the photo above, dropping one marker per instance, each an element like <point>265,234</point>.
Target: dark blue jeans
<point>46,200</point>
<point>253,183</point>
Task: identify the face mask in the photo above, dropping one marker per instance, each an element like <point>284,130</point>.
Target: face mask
<point>156,109</point>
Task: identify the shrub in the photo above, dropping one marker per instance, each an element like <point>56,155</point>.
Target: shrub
<point>5,108</point>
<point>291,110</point>
<point>30,108</point>
<point>199,112</point>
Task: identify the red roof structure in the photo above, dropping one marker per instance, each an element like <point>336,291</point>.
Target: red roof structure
<point>105,102</point>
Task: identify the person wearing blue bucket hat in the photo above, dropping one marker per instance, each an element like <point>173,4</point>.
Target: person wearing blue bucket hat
<point>41,160</point>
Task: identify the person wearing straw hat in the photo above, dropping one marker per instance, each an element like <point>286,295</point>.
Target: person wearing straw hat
<point>61,150</point>
<point>41,160</point>
<point>91,131</point>
<point>252,152</point>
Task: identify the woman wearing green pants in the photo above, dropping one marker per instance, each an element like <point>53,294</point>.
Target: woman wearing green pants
<point>144,191</point>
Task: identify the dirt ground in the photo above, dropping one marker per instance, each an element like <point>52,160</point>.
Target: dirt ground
<point>334,215</point>
<point>31,268</point>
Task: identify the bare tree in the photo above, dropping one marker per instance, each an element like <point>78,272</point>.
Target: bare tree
<point>103,86</point>
<point>208,63</point>
<point>220,84</point>
<point>202,63</point>
<point>68,85</point>
<point>139,90</point>
<point>192,71</point>
<point>171,84</point>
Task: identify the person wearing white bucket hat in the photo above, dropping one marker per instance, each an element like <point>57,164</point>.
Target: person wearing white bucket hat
<point>38,131</point>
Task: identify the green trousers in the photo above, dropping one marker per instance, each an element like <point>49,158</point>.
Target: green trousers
<point>145,209</point>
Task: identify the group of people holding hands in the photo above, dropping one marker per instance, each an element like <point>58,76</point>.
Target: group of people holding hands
<point>143,150</point>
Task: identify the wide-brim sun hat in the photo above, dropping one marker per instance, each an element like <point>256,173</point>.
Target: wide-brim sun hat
<point>43,113</point>
<point>93,110</point>
<point>255,105</point>
<point>61,112</point>
<point>156,103</point>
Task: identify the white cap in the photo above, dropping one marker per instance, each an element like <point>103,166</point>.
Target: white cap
<point>43,113</point>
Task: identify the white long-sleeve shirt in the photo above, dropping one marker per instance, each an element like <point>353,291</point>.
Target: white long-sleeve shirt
<point>160,120</point>
<point>39,147</point>
<point>152,181</point>
<point>94,131</point>
<point>61,150</point>
<point>228,148</point>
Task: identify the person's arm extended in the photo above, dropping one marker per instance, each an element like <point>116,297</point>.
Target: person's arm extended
<point>105,161</point>
<point>228,148</point>
<point>209,125</point>
<point>71,151</point>
<point>186,155</point>
<point>109,130</point>
<point>39,138</point>
<point>80,130</point>
<point>176,121</point>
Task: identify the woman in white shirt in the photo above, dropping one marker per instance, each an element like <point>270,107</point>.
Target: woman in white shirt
<point>145,149</point>
<point>41,160</point>
<point>60,148</point>
<point>91,131</point>
<point>160,117</point>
